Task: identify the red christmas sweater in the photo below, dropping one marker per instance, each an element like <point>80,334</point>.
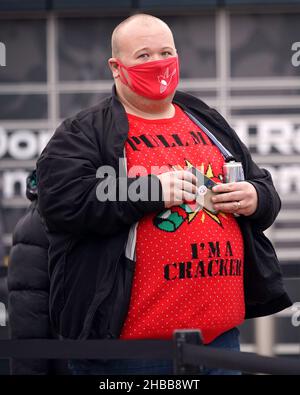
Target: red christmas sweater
<point>189,265</point>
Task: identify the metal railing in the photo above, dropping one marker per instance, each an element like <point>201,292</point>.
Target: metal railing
<point>187,351</point>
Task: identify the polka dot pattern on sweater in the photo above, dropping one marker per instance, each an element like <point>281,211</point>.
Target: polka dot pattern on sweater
<point>189,267</point>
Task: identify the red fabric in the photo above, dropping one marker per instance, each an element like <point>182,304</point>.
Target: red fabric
<point>154,80</point>
<point>189,270</point>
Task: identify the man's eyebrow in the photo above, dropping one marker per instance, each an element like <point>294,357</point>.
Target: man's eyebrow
<point>141,49</point>
<point>147,49</point>
<point>168,48</point>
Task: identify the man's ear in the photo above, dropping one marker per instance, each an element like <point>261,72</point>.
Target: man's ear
<point>114,67</point>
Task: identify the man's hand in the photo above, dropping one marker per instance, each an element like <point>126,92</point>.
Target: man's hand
<point>232,193</point>
<point>178,186</point>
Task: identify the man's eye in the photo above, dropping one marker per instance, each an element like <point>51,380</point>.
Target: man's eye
<point>167,53</point>
<point>143,56</point>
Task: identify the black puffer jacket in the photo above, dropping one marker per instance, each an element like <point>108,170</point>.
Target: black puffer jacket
<point>28,284</point>
<point>2,253</point>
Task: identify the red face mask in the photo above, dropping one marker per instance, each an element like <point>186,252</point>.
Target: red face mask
<point>154,80</point>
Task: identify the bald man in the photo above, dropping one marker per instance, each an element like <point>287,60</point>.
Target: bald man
<point>145,234</point>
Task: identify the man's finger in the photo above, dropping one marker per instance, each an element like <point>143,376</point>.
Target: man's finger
<point>188,197</point>
<point>187,186</point>
<point>187,176</point>
<point>222,188</point>
<point>228,197</point>
<point>231,207</point>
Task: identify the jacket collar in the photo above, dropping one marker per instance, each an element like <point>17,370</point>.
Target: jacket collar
<point>209,117</point>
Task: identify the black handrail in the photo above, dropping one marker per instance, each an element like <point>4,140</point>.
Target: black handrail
<point>143,349</point>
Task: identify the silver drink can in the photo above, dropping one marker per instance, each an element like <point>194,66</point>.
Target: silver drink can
<point>233,172</point>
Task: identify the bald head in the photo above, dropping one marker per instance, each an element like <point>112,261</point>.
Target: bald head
<point>138,27</point>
